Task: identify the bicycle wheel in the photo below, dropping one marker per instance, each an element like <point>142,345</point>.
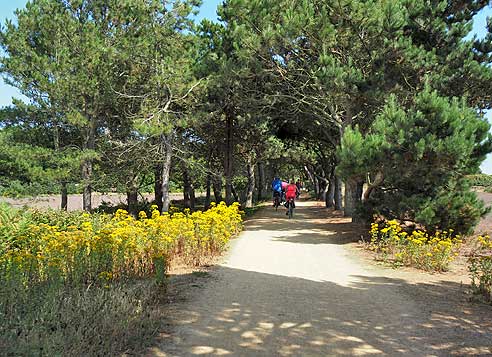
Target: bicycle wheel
<point>276,203</point>
<point>291,209</point>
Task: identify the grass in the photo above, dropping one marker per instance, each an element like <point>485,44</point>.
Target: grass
<point>76,321</point>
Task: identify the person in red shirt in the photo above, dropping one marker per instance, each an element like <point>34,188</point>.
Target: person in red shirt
<point>291,193</point>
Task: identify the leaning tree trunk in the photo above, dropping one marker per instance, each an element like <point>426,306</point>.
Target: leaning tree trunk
<point>251,185</point>
<point>228,160</point>
<point>64,196</point>
<point>338,194</point>
<point>158,186</point>
<point>166,170</point>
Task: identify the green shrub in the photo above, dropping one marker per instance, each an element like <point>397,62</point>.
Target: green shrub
<point>417,155</point>
<point>480,267</point>
<point>481,180</point>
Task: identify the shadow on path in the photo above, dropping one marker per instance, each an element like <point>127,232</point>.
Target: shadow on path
<point>311,225</point>
<point>290,287</point>
<point>267,315</point>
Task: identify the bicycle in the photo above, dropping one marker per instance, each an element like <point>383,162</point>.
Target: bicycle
<point>276,201</point>
<point>290,207</point>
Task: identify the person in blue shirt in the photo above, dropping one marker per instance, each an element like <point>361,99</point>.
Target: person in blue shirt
<point>277,188</point>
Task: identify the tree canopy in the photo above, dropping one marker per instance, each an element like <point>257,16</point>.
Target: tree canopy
<point>386,96</point>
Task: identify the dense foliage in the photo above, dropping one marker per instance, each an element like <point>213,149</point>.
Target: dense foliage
<point>417,158</point>
<point>123,94</point>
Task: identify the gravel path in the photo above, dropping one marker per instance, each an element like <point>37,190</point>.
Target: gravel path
<point>294,287</point>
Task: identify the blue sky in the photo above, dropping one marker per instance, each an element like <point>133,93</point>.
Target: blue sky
<point>7,8</point>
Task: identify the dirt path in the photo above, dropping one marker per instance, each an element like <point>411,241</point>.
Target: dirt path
<point>296,288</point>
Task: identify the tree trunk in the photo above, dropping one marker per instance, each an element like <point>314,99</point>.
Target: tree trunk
<point>338,193</point>
<point>132,196</point>
<point>192,197</point>
<point>311,178</point>
<point>217,185</point>
<point>330,193</point>
<point>132,200</point>
<point>317,189</point>
<point>86,178</point>
<point>64,196</point>
<point>251,185</point>
<point>378,180</point>
<point>261,181</point>
<point>360,190</point>
<point>207,191</point>
<point>166,170</point>
<point>89,144</point>
<point>323,188</point>
<point>63,183</point>
<point>353,194</point>
<point>158,186</point>
<point>234,194</point>
<point>228,159</point>
<point>186,189</point>
<point>268,174</point>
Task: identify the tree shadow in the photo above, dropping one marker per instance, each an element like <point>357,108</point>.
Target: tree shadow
<point>271,300</point>
<point>265,314</point>
<point>327,226</point>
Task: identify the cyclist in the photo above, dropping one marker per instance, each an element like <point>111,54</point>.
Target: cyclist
<point>290,194</point>
<point>299,186</point>
<point>277,189</point>
<point>284,187</point>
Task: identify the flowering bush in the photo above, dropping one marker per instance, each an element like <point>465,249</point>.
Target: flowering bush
<point>418,248</point>
<point>67,280</point>
<point>480,267</point>
<point>103,247</point>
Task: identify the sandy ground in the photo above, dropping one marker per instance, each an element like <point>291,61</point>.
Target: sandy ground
<point>298,288</point>
<point>75,201</point>
<point>485,224</point>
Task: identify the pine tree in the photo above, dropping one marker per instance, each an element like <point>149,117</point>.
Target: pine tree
<point>417,157</point>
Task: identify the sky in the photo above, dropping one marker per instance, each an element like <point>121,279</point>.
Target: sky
<point>208,10</point>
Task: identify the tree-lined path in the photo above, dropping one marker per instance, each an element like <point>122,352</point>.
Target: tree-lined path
<point>292,287</point>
